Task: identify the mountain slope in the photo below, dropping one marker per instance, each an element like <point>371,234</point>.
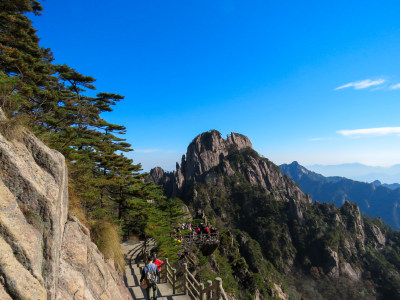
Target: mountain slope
<point>374,200</point>
<point>274,241</point>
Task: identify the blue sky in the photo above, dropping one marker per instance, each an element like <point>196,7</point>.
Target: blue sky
<point>311,81</point>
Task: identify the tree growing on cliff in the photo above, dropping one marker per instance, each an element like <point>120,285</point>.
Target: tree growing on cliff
<point>26,62</point>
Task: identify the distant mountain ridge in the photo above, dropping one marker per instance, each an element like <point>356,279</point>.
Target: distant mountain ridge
<point>360,172</point>
<point>392,186</point>
<point>374,199</point>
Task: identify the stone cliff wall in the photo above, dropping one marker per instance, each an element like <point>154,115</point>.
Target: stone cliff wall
<point>43,254</point>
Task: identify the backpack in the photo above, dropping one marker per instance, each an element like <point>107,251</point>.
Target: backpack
<point>151,277</point>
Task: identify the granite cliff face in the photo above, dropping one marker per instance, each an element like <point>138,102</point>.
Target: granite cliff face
<point>43,253</point>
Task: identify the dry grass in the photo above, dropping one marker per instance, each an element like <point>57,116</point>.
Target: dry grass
<point>74,204</point>
<point>106,237</point>
<point>12,129</point>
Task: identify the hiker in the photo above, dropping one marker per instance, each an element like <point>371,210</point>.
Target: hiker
<point>150,274</point>
<point>213,230</point>
<point>158,263</point>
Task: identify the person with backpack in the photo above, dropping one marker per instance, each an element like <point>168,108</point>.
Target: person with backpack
<point>150,273</point>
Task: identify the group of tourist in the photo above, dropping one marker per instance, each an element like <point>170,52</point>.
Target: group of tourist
<point>204,229</point>
<point>201,231</point>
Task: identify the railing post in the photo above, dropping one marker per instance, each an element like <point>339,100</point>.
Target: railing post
<point>185,278</point>
<point>201,291</point>
<point>174,281</point>
<point>166,270</point>
<point>209,293</point>
<point>219,287</point>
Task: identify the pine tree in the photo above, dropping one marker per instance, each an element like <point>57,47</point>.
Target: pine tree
<point>26,62</point>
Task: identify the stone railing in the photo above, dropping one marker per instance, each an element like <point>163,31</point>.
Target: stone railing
<point>187,283</point>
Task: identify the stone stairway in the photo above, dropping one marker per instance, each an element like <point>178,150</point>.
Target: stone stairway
<point>133,271</point>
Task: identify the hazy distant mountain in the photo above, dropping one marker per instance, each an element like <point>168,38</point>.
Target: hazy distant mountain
<point>392,186</point>
<point>360,172</point>
<point>374,199</point>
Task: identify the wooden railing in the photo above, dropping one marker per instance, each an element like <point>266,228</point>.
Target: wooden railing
<point>187,283</point>
<point>168,274</point>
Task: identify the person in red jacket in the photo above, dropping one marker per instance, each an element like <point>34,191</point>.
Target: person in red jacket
<point>158,263</point>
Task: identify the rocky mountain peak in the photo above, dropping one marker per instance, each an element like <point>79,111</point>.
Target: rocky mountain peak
<point>240,140</point>
<point>208,149</point>
<point>156,175</point>
<point>210,157</point>
<point>294,170</point>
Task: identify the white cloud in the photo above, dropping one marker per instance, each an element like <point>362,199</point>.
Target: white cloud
<point>370,131</point>
<point>363,84</point>
<point>395,86</point>
<point>147,150</point>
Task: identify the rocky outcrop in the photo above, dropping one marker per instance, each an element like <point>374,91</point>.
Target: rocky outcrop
<point>34,208</point>
<point>379,238</point>
<point>355,222</point>
<point>209,152</point>
<point>156,175</point>
<point>42,254</point>
<point>83,273</point>
<point>347,270</point>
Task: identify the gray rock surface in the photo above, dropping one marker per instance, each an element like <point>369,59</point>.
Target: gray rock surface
<point>42,254</point>
<point>156,175</point>
<point>380,239</point>
<point>83,273</point>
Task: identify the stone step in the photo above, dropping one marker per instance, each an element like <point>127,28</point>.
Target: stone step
<point>137,291</point>
<point>130,281</point>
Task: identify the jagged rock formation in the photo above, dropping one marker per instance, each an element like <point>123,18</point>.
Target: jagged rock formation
<point>275,236</point>
<point>209,152</point>
<point>43,254</point>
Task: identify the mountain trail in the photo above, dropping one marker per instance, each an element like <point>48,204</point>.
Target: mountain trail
<point>133,271</point>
